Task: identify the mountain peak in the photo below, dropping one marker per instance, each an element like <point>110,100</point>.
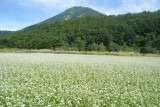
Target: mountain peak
<point>74,7</point>
<point>72,13</point>
<point>78,7</point>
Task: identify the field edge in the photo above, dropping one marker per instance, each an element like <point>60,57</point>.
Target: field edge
<point>15,50</point>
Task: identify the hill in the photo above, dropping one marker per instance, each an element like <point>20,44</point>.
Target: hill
<point>72,13</point>
<point>130,32</point>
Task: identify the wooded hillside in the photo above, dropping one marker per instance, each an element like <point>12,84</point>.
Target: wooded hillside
<point>129,32</point>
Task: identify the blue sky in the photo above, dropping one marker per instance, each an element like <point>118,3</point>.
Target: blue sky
<point>17,14</point>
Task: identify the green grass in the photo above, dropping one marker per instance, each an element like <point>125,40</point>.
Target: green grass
<point>49,80</point>
<point>121,53</point>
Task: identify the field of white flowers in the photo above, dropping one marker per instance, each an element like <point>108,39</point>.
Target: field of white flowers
<point>49,80</point>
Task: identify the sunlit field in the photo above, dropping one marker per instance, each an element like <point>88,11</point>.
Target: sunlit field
<point>49,80</point>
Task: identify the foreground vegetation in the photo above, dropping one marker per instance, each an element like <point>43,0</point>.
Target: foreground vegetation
<point>37,79</point>
<point>140,31</point>
<point>121,53</point>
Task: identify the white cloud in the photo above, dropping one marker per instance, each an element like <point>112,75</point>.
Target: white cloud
<point>51,6</point>
<point>132,6</point>
<point>139,5</point>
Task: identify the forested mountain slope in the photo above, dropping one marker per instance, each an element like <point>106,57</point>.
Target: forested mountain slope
<point>140,31</point>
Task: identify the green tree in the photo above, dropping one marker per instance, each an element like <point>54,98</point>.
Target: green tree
<point>80,44</point>
<point>93,47</point>
<point>101,47</point>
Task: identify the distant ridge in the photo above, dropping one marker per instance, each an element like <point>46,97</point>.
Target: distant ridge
<point>72,13</point>
<point>5,32</point>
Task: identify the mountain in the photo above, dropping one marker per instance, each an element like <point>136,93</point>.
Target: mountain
<point>74,12</point>
<point>138,32</point>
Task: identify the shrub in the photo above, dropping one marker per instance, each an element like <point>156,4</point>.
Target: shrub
<point>145,50</point>
<point>113,47</point>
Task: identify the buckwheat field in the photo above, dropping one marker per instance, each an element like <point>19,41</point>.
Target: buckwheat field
<point>65,80</point>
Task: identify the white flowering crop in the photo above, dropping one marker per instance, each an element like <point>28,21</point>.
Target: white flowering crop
<point>49,80</point>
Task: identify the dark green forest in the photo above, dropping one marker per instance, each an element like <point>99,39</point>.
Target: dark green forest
<point>139,32</point>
